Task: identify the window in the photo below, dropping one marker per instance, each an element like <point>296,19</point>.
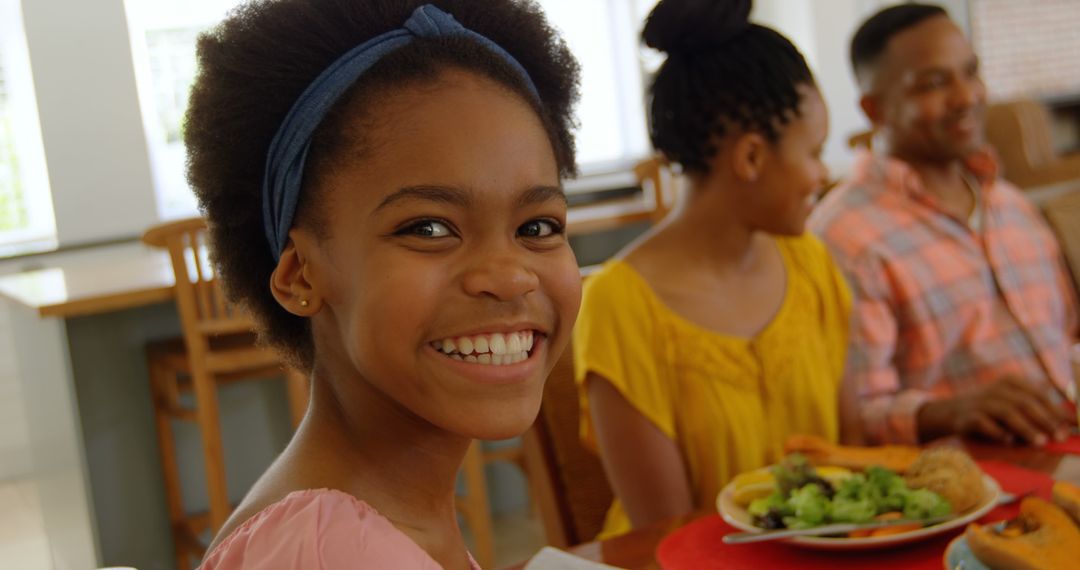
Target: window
<point>163,34</point>
<point>603,34</point>
<point>26,215</point>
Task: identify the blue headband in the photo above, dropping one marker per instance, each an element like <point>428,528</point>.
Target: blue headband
<point>289,148</point>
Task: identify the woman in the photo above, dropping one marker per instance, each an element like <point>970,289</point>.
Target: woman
<point>708,341</point>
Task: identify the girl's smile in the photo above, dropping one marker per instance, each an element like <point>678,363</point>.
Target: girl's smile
<point>495,358</point>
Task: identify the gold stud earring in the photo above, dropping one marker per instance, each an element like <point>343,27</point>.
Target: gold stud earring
<point>304,302</point>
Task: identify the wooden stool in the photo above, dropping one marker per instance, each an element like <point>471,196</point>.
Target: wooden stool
<point>218,346</point>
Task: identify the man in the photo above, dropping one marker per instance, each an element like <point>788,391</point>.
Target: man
<point>963,315</point>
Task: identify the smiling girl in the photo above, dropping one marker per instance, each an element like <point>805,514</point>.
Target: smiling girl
<point>382,185</point>
<point>704,344</point>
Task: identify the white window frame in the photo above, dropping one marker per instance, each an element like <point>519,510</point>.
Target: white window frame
<point>19,116</point>
<point>623,105</point>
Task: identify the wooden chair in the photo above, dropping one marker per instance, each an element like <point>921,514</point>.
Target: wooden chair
<point>217,346</point>
<point>474,507</point>
<point>659,181</point>
<point>659,192</point>
<point>861,140</point>
<point>1063,213</point>
<point>1022,134</point>
<point>572,490</point>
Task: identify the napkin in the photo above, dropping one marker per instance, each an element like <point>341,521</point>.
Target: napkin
<point>554,559</point>
<point>1069,446</point>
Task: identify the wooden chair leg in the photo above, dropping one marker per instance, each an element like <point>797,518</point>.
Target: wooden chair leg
<point>299,391</point>
<point>209,421</point>
<point>164,394</point>
<point>474,506</point>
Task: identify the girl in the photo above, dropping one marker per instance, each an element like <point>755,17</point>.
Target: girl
<point>382,183</point>
<point>708,341</point>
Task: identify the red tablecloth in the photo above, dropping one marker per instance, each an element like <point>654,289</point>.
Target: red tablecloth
<point>1070,446</point>
<point>698,545</point>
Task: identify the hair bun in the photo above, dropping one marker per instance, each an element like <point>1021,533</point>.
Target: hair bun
<point>676,26</point>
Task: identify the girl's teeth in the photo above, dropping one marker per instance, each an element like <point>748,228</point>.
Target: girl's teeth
<point>492,359</point>
<point>498,344</point>
<point>495,348</point>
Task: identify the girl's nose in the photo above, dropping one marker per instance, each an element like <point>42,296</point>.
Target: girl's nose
<point>503,277</point>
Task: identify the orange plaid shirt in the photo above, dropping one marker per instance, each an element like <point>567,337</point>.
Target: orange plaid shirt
<point>941,308</point>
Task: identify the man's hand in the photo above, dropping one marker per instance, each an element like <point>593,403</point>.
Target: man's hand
<point>1006,411</point>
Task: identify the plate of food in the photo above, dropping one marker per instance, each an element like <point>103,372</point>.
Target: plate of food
<point>941,486</point>
<point>1045,534</point>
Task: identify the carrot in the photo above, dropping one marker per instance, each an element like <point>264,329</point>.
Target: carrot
<point>889,516</point>
<point>895,529</point>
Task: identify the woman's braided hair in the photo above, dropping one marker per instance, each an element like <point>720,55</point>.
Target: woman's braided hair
<point>722,72</point>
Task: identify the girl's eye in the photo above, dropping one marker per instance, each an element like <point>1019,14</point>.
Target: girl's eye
<point>428,229</point>
<point>540,228</point>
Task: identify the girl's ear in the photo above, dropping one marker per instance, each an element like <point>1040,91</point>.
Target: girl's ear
<point>291,283</point>
<point>749,155</point>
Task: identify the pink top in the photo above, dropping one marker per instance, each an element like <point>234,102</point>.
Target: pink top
<point>319,529</point>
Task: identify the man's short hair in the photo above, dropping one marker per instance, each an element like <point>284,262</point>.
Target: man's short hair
<point>873,36</point>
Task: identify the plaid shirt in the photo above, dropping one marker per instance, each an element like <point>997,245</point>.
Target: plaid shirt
<point>940,308</point>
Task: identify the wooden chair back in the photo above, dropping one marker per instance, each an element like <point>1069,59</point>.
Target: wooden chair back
<point>659,182</point>
<point>572,490</point>
<point>1022,133</point>
<point>1063,213</point>
<point>204,311</point>
<point>861,140</point>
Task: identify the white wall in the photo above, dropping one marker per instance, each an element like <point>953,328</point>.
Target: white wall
<point>96,153</point>
<point>822,29</point>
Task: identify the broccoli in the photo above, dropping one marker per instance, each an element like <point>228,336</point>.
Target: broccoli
<point>810,504</point>
<point>924,504</point>
<point>852,510</point>
<point>758,507</point>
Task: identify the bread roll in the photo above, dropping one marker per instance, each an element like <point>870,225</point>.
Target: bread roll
<point>950,473</point>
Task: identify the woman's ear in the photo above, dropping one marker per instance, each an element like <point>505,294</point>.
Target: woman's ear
<point>291,282</point>
<point>749,155</point>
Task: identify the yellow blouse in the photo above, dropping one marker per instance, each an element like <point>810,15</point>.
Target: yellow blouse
<point>728,402</point>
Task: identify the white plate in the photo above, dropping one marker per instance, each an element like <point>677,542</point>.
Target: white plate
<point>737,517</point>
<point>959,555</point>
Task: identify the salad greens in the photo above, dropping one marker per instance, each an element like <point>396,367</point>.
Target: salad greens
<point>803,499</point>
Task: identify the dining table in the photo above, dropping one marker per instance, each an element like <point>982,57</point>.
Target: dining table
<point>637,549</point>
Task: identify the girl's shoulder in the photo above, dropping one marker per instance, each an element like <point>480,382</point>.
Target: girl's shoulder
<point>808,255</point>
<point>318,528</point>
<point>618,288</point>
<point>805,248</point>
